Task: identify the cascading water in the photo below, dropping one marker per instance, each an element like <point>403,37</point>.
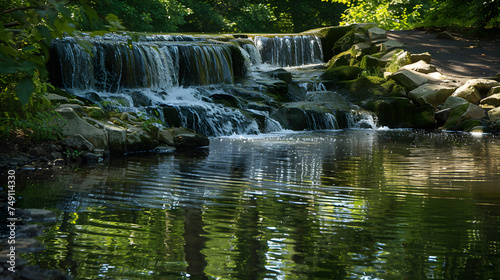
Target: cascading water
<point>290,50</point>
<point>186,80</point>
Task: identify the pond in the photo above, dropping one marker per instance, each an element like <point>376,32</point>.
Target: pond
<point>339,204</point>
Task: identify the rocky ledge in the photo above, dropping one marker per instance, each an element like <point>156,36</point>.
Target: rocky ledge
<point>404,89</point>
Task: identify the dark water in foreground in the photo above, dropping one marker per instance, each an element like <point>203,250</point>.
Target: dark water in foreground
<point>360,204</point>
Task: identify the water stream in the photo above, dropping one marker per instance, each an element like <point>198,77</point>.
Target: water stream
<point>350,201</point>
<point>338,204</point>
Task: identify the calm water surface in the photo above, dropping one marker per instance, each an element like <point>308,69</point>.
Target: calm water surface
<point>359,204</point>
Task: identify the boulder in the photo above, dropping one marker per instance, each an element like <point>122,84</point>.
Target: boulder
<point>409,78</point>
<point>56,99</point>
<point>475,126</point>
<point>116,135</point>
<point>182,138</point>
<point>137,139</point>
<point>421,56</point>
<point>432,94</point>
<point>281,74</point>
<point>421,67</point>
<point>476,89</point>
<point>491,101</point>
<point>389,45</point>
<point>342,73</point>
<point>72,124</point>
<point>397,112</point>
<point>77,142</point>
<point>494,115</point>
<point>493,90</point>
<point>376,33</point>
<point>462,112</point>
<point>453,101</point>
<point>370,62</point>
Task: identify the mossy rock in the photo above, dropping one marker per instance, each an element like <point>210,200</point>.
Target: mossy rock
<point>424,117</point>
<point>343,58</point>
<point>365,87</point>
<point>345,42</point>
<point>342,73</point>
<point>396,112</point>
<point>96,113</point>
<point>371,62</point>
<point>329,36</point>
<point>475,125</point>
<point>455,116</point>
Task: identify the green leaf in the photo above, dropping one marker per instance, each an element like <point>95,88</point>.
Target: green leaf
<point>86,45</point>
<point>24,89</point>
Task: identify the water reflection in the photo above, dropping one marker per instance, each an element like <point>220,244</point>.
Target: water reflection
<point>359,204</point>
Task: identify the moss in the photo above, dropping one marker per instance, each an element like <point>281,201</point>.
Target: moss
<point>455,115</point>
<point>424,117</point>
<point>96,113</point>
<point>342,73</point>
<point>475,125</point>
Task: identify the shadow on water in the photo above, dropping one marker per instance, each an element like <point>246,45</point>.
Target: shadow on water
<point>358,204</point>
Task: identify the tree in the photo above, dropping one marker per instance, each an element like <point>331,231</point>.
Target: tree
<point>27,28</point>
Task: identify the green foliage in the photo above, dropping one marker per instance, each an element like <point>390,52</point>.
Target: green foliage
<point>27,28</point>
<point>142,16</point>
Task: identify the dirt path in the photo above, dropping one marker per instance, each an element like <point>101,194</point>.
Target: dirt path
<point>461,58</point>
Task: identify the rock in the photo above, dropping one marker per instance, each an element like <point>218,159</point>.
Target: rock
<point>494,90</point>
<point>226,99</point>
<point>296,92</point>
<point>38,151</point>
<point>461,113</point>
<point>421,56</point>
<point>77,142</point>
<point>491,101</point>
<point>390,45</point>
<point>441,116</point>
<point>342,73</point>
<point>475,125</point>
<point>494,115</point>
<point>77,108</point>
<point>398,60</point>
<point>453,101</point>
<point>361,49</point>
<point>281,74</point>
<point>140,99</point>
<point>476,89</point>
<point>445,35</point>
<point>56,99</point>
<point>398,112</point>
<point>376,33</point>
<point>409,78</point>
<point>369,61</point>
<point>73,125</point>
<point>137,139</point>
<point>95,112</point>
<point>116,135</point>
<point>432,94</point>
<point>329,36</point>
<point>421,67</point>
<point>182,138</point>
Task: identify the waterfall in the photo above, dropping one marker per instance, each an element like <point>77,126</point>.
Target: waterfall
<point>194,82</point>
<point>289,50</point>
<point>158,62</point>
